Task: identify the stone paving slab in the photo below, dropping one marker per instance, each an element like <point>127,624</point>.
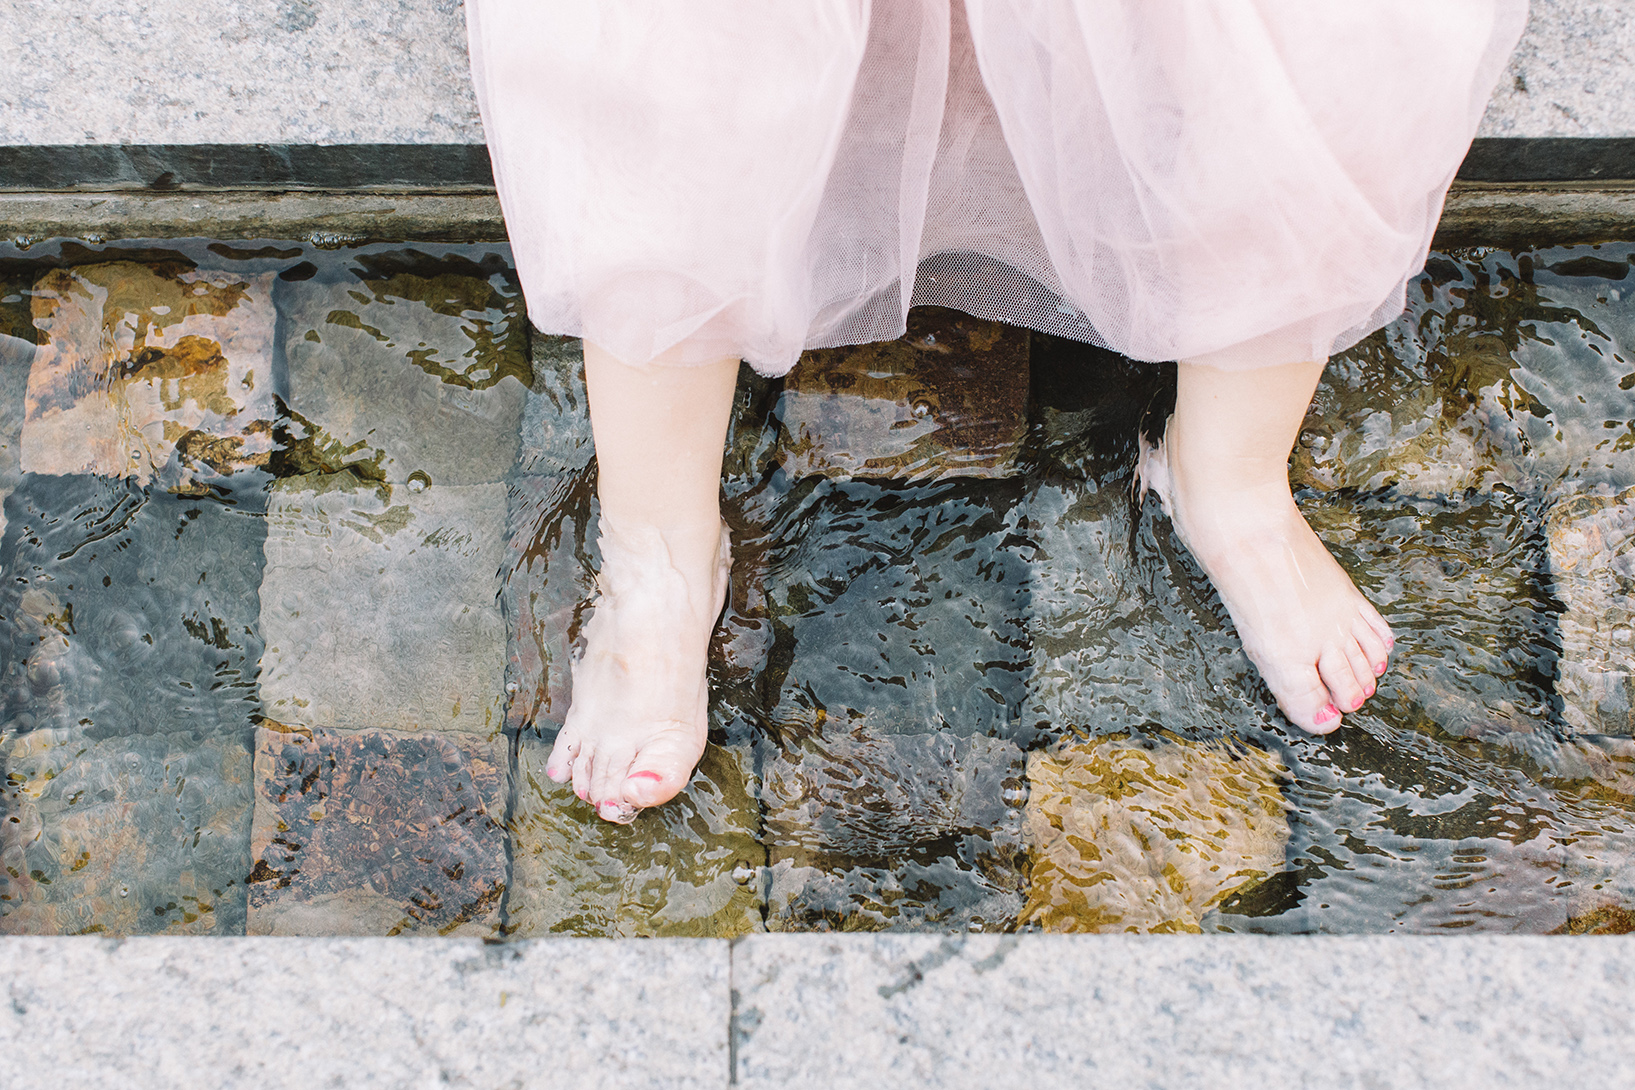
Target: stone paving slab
<point>266,1014</point>
<point>374,832</point>
<point>381,71</point>
<point>831,1011</point>
<point>379,607</point>
<point>1172,1012</point>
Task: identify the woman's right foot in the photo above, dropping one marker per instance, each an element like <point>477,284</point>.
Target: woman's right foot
<point>637,724</point>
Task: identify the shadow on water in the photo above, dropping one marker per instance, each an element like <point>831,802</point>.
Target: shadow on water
<point>298,543</point>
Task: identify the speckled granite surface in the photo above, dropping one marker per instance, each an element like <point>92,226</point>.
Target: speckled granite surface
<point>830,1011</point>
<point>394,71</point>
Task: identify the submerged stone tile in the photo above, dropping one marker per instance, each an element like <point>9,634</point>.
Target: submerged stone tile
<point>555,429</point>
<point>1592,567</point>
<point>379,605</point>
<point>947,399</point>
<point>1125,632</point>
<point>150,371</point>
<point>137,835</point>
<point>126,612</point>
<point>1148,834</point>
<point>547,579</point>
<point>1507,369</point>
<point>406,374</point>
<point>897,642</point>
<point>897,832</point>
<point>689,868</point>
<point>375,832</point>
<point>16,360</point>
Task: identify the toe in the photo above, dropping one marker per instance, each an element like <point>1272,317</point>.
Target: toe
<point>1373,648</point>
<point>583,766</point>
<point>611,766</point>
<point>1345,690</point>
<point>1377,623</point>
<point>662,768</point>
<point>1361,668</point>
<point>559,766</point>
<point>1305,700</point>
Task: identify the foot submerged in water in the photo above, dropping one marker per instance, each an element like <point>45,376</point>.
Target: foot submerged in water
<point>637,725</point>
<point>1318,643</point>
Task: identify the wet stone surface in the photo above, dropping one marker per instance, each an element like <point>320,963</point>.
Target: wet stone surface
<point>555,428</point>
<point>376,832</point>
<point>150,371</point>
<point>137,835</point>
<point>897,646</point>
<point>1148,834</point>
<point>948,399</point>
<point>405,372</point>
<point>1592,567</point>
<point>690,868</point>
<point>1507,369</point>
<point>548,577</point>
<point>127,611</point>
<point>379,607</point>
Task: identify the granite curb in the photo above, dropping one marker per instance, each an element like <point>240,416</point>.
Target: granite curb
<point>820,1011</point>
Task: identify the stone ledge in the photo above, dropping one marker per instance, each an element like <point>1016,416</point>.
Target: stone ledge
<point>827,1011</point>
<point>1476,213</point>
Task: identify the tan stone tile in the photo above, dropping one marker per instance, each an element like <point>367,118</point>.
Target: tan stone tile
<point>378,605</point>
<point>139,835</point>
<point>140,363</point>
<point>405,374</point>
<point>375,832</point>
<point>691,867</point>
<point>1132,835</point>
<point>1592,563</point>
<point>947,399</point>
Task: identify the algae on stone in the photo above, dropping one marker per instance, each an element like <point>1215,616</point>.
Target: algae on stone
<point>1592,566</point>
<point>691,867</point>
<point>150,371</point>
<point>408,374</point>
<point>375,832</point>
<point>947,399</point>
<point>379,605</point>
<point>1148,835</point>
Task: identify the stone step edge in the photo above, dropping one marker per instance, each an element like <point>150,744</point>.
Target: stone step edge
<point>821,1010</point>
<point>1507,214</point>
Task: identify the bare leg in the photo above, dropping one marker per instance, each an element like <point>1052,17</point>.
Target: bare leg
<point>1223,475</point>
<point>637,725</point>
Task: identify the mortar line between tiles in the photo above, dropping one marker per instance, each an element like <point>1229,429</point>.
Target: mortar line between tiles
<point>732,1011</point>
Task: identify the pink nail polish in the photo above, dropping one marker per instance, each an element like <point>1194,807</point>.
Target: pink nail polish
<point>584,796</point>
<point>645,775</point>
<point>1379,671</point>
<point>1368,692</point>
<point>1326,714</point>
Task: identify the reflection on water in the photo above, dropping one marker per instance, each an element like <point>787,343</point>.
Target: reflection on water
<point>297,544</point>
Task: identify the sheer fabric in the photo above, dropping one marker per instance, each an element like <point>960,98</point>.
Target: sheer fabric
<point>1232,182</point>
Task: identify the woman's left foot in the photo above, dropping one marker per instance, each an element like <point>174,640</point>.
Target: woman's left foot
<point>1316,640</point>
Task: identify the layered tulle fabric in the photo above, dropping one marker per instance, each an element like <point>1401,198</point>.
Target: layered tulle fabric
<point>1233,182</point>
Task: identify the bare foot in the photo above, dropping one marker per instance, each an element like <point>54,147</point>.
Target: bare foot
<point>637,725</point>
<point>1316,640</point>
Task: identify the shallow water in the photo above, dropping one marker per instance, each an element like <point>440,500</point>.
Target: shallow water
<point>297,543</point>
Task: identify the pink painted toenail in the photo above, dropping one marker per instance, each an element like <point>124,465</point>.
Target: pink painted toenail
<point>1326,714</point>
<point>645,775</point>
<point>584,796</point>
<point>1379,671</point>
<point>1369,692</point>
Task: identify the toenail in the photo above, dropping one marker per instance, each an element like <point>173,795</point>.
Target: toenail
<point>584,796</point>
<point>1379,671</point>
<point>1369,691</point>
<point>646,775</point>
<point>1326,714</point>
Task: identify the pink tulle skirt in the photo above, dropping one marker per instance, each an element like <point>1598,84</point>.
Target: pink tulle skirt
<point>1231,182</point>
